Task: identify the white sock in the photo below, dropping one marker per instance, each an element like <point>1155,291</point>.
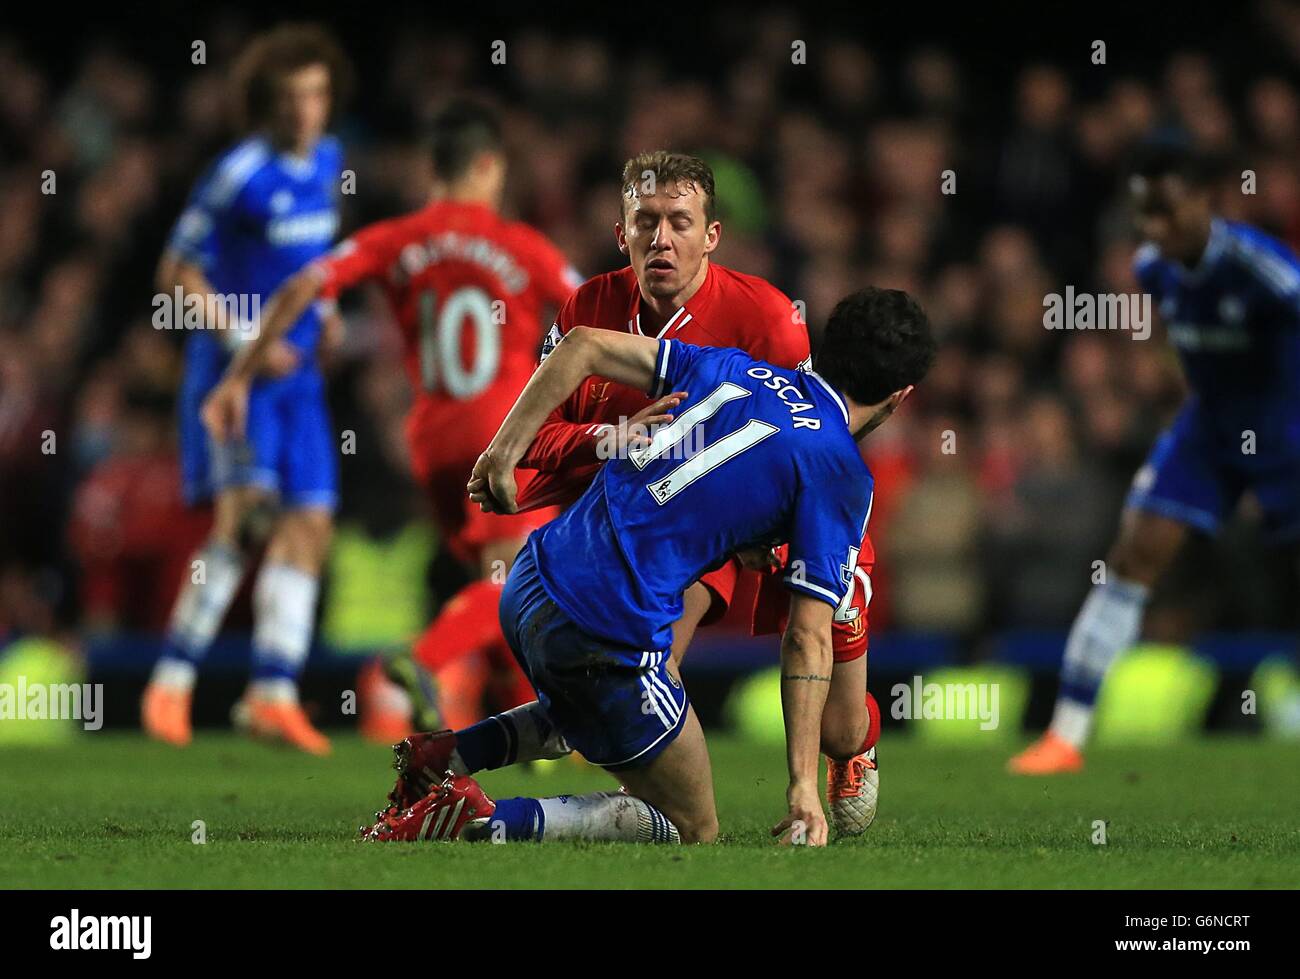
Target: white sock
<point>1109,622</point>
<point>284,609</point>
<point>214,575</point>
<point>605,816</point>
<point>1072,721</point>
<point>280,690</point>
<point>172,672</point>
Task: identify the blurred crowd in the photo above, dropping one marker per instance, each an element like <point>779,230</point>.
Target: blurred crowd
<point>997,487</point>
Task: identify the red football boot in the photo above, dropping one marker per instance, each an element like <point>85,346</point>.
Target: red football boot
<point>443,814</point>
<point>423,760</point>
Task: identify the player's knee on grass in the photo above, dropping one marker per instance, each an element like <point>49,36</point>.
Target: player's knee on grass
<point>679,783</point>
<point>696,827</point>
<point>706,832</point>
<point>694,814</point>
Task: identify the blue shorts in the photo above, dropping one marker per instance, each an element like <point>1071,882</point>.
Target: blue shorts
<point>1193,478</point>
<point>618,715</point>
<point>288,450</point>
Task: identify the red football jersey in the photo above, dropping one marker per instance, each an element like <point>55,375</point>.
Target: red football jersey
<point>730,309</point>
<point>468,288</point>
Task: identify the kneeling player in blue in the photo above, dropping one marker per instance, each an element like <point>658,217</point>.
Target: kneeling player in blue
<point>1230,298</point>
<point>754,456</point>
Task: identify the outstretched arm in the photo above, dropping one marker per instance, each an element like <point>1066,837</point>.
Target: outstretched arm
<point>621,357</point>
<point>806,663</point>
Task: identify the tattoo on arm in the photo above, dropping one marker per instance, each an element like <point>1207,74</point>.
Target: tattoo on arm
<point>811,677</point>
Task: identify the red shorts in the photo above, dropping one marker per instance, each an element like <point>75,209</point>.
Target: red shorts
<point>442,463</point>
<point>848,629</point>
<point>721,583</point>
<point>849,632</point>
<point>466,529</point>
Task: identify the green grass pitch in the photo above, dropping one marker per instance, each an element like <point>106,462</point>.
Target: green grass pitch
<point>114,810</point>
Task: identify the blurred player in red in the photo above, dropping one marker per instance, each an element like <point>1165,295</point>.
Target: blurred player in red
<point>469,289</point>
<point>672,288</point>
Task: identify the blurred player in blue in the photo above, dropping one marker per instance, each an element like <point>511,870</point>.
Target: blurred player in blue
<point>755,455</point>
<point>263,210</point>
<point>1230,298</point>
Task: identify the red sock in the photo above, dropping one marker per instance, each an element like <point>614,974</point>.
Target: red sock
<point>461,684</point>
<point>466,624</point>
<point>873,723</point>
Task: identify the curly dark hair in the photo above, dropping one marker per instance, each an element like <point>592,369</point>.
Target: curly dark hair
<point>277,52</point>
<point>675,168</point>
<point>877,341</point>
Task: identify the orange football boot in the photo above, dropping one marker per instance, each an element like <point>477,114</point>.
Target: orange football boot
<point>285,721</point>
<point>1049,755</point>
<point>165,714</point>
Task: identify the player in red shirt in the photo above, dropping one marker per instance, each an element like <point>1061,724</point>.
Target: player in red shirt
<point>469,289</point>
<point>673,289</point>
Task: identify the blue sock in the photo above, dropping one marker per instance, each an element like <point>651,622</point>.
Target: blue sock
<point>1109,622</point>
<point>176,651</point>
<point>519,819</point>
<point>267,667</point>
<point>491,743</point>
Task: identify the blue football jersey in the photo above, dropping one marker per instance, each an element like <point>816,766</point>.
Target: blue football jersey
<point>1235,321</point>
<point>254,218</point>
<point>756,454</point>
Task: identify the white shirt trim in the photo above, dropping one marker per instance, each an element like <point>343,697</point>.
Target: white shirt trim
<point>831,391</point>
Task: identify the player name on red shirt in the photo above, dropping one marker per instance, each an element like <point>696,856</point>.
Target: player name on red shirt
<point>468,289</point>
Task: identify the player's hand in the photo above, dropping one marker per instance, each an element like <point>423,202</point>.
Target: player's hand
<point>492,484</point>
<point>639,429</point>
<point>281,360</point>
<point>805,823</point>
<point>225,410</point>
